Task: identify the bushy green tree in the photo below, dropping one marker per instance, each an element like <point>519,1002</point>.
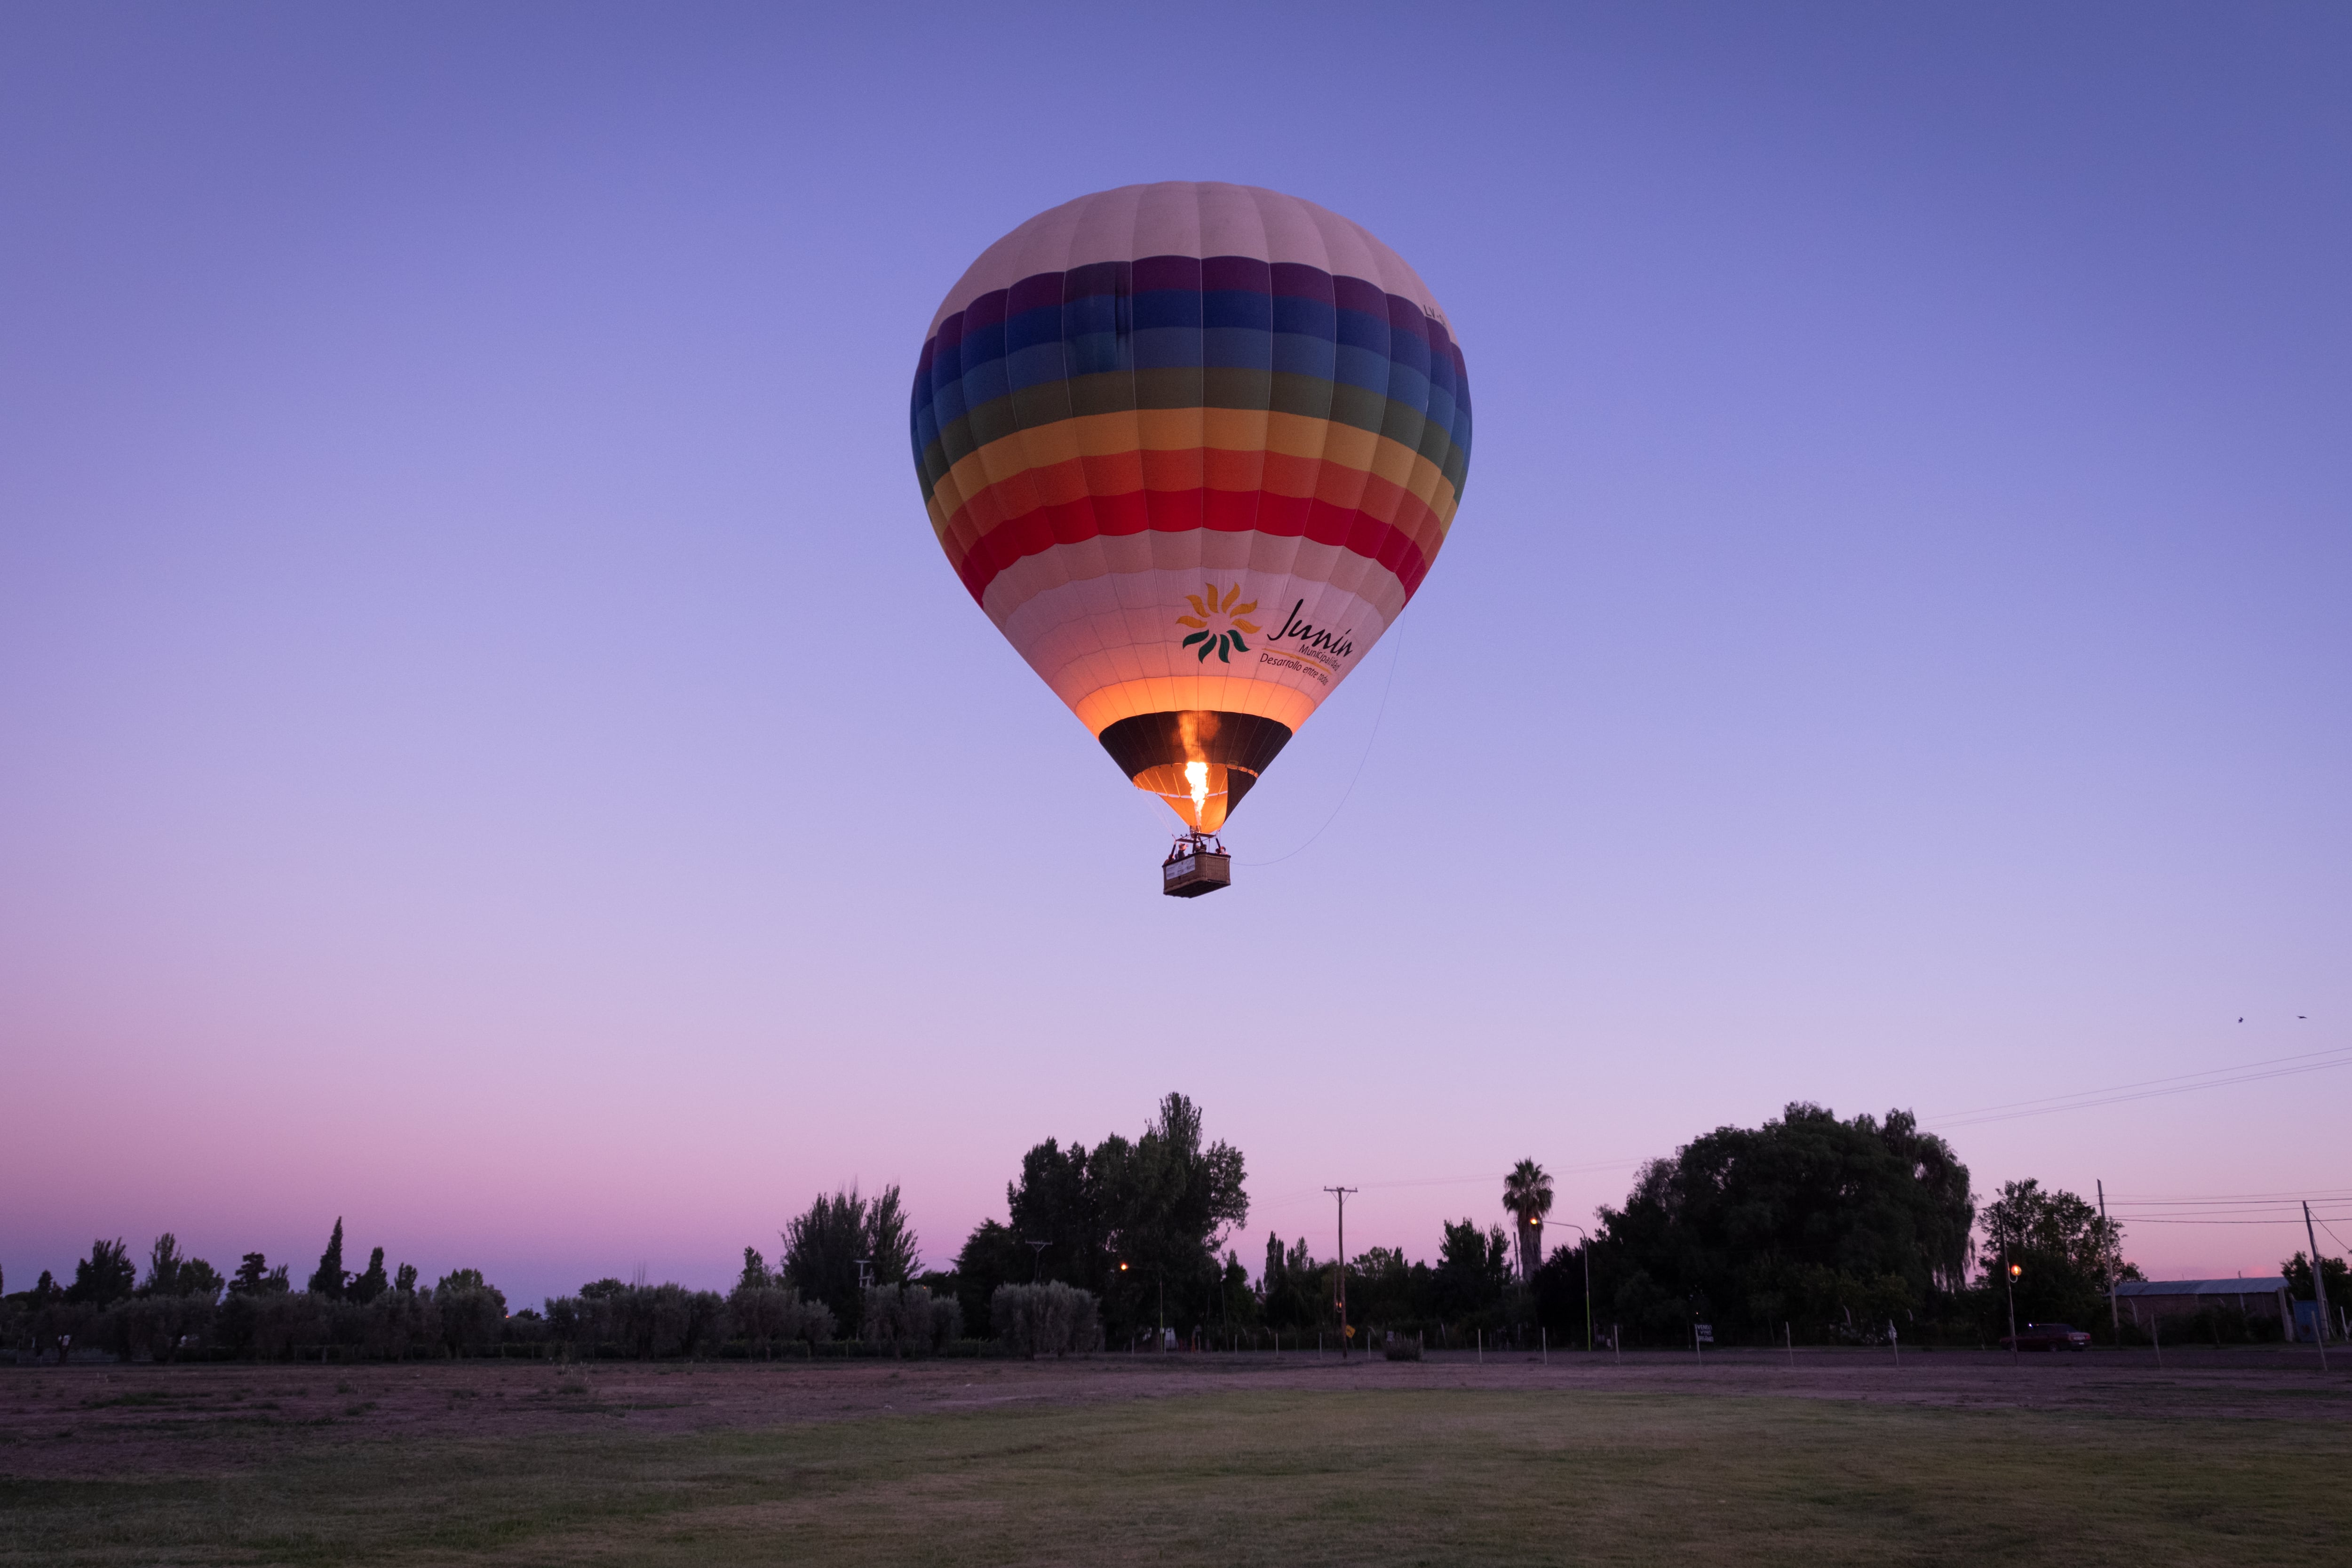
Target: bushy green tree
<point>370,1283</point>
<point>1298,1291</point>
<point>1051,1319</point>
<point>254,1277</point>
<point>991,1256</point>
<point>1387,1289</point>
<point>171,1274</point>
<point>653,1322</point>
<point>105,1277</point>
<point>2064,1253</point>
<point>694,1320</point>
<point>755,1275</point>
<point>1057,1201</point>
<point>907,1320</point>
<point>1474,1270</point>
<point>1238,1305</point>
<point>1806,1220</point>
<point>767,1315</point>
<point>1169,1198</point>
<point>823,1246</point>
<point>1559,1295</point>
<point>2333,1272</point>
<point>1160,1205</point>
<point>403,1322</point>
<point>472,1311</point>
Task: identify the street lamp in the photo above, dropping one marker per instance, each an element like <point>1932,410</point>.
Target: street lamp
<point>2011,1282</point>
<point>1161,1284</point>
<point>1586,1250</point>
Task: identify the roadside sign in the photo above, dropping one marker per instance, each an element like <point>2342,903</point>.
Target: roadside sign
<point>1706,1334</point>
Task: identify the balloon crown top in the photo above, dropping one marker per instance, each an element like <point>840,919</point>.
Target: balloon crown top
<point>1187,217</point>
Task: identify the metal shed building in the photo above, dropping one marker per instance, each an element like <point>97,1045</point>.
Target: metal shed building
<point>2149,1301</point>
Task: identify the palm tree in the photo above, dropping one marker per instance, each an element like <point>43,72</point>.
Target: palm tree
<point>1526,1193</point>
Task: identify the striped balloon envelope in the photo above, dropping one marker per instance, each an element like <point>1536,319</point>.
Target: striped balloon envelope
<point>1192,447</point>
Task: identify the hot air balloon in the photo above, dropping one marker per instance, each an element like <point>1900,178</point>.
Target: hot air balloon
<point>1192,447</point>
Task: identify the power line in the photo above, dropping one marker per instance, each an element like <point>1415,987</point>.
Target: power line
<point>2226,1208</point>
<point>2200,1211</point>
<point>1589,1165</point>
<point>2294,1194</point>
<point>2149,1089</point>
<point>2283,1219</point>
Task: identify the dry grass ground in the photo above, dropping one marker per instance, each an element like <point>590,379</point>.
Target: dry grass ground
<point>2082,1461</point>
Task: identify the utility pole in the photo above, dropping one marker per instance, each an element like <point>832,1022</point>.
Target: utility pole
<point>2115,1317</point>
<point>2318,1285</point>
<point>1036,1260</point>
<point>1586,1250</point>
<point>1341,1194</point>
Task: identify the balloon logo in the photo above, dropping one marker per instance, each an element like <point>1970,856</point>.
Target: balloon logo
<point>1192,447</point>
<point>1213,641</point>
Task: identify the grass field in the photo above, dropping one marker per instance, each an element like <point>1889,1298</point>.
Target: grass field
<point>939,1464</point>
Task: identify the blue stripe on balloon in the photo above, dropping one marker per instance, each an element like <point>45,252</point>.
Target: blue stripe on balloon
<point>1362,330</point>
<point>1168,348</point>
<point>1233,308</point>
<point>1164,308</point>
<point>1295,354</point>
<point>1029,328</point>
<point>1155,314</point>
<point>1307,318</point>
<point>1237,348</point>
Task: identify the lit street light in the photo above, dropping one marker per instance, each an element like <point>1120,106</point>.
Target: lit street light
<point>1163,1286</point>
<point>2011,1282</point>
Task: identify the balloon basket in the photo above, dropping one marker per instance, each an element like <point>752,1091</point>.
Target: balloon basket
<point>1197,864</point>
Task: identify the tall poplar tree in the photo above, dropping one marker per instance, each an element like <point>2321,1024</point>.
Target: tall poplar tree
<point>330,1280</point>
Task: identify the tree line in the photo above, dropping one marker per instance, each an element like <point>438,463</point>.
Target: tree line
<point>1808,1229</point>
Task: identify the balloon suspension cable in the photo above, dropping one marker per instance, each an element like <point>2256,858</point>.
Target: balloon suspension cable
<point>1396,656</point>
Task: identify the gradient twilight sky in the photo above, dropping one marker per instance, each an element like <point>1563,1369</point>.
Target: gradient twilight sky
<point>490,748</point>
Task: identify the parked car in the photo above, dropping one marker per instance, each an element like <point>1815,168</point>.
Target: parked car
<point>2047,1337</point>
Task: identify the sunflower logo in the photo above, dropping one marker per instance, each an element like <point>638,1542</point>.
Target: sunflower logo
<point>1207,609</point>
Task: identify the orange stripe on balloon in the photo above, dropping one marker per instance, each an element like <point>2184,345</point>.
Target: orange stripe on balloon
<point>1102,437</point>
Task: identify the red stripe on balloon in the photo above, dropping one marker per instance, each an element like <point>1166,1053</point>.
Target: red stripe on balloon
<point>1246,483</point>
<point>1034,531</point>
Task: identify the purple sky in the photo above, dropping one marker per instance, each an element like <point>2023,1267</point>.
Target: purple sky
<point>490,747</point>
